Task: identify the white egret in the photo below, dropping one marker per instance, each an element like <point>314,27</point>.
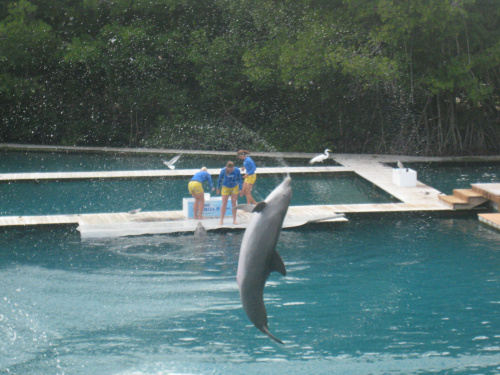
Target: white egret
<point>171,162</point>
<point>321,157</point>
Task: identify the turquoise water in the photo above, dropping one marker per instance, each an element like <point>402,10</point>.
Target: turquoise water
<point>399,295</point>
<point>394,294</point>
<point>27,161</point>
<point>76,197</point>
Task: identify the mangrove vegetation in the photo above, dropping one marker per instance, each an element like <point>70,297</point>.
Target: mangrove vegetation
<point>417,77</point>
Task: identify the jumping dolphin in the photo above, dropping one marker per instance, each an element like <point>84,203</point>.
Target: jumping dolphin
<point>258,255</point>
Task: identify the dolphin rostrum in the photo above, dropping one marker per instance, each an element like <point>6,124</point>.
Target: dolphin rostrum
<point>258,255</point>
<point>200,231</point>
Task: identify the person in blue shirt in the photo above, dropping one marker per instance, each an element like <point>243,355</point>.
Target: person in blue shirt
<point>231,183</point>
<point>250,176</point>
<point>195,188</point>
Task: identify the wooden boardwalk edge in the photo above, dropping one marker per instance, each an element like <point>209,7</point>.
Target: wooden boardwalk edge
<point>123,217</point>
<point>491,219</point>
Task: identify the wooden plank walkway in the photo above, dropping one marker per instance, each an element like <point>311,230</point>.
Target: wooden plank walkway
<point>418,198</point>
<point>493,220</point>
<point>490,191</point>
<point>381,175</point>
<point>294,212</point>
<point>156,173</point>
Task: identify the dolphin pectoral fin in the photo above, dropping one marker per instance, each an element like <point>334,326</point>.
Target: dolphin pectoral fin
<point>277,264</point>
<point>245,207</point>
<point>260,206</point>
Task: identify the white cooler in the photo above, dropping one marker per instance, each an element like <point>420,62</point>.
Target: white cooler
<point>212,207</point>
<point>404,177</point>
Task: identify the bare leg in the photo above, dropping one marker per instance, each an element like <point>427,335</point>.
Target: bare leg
<point>225,198</point>
<point>247,192</point>
<point>198,205</point>
<point>234,203</point>
<point>201,205</point>
<point>195,207</point>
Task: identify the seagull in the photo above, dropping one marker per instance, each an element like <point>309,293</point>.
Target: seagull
<point>320,158</point>
<point>400,165</point>
<point>171,162</point>
<point>136,211</point>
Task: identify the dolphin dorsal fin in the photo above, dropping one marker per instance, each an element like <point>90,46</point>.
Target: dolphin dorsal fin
<point>260,206</point>
<point>277,264</point>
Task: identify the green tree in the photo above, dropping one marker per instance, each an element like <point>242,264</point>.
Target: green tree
<point>28,54</point>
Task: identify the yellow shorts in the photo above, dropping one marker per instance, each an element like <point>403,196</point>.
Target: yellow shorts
<point>230,191</point>
<point>251,179</point>
<point>195,187</point>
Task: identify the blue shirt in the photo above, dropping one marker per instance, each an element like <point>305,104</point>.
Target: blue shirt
<point>249,164</point>
<point>230,180</point>
<point>203,176</point>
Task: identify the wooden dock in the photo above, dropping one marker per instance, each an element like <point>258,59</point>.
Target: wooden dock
<point>463,199</point>
<point>418,198</point>
<point>155,173</point>
<point>378,173</point>
<point>370,167</point>
<point>295,212</point>
<point>490,191</point>
<point>114,224</point>
<point>492,220</point>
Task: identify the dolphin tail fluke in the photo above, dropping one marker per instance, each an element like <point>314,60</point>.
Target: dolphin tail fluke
<point>266,331</point>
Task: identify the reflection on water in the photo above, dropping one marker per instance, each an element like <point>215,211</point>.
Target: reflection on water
<point>385,295</point>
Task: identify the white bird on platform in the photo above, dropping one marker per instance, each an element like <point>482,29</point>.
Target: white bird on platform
<point>400,165</point>
<point>171,162</point>
<point>136,211</point>
<point>320,158</point>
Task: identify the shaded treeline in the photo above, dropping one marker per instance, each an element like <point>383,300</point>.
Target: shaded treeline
<point>384,76</point>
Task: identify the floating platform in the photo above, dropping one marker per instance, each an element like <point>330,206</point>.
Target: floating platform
<point>418,198</point>
<point>490,191</point>
<point>463,199</point>
<point>298,213</point>
<point>493,220</point>
<point>154,173</point>
<point>90,227</point>
<point>370,167</point>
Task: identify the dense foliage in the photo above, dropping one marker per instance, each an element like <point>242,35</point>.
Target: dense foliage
<point>384,76</point>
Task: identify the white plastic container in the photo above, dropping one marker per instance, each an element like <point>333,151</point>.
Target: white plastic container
<point>212,207</point>
<point>404,177</point>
